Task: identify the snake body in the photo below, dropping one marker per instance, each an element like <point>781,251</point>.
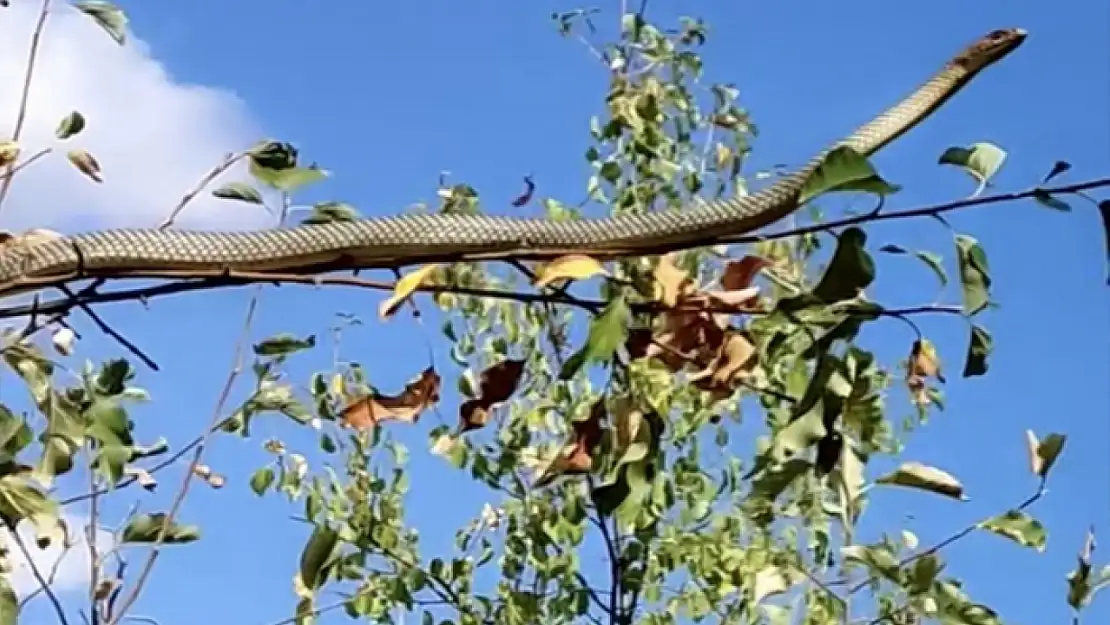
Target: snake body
<point>388,241</point>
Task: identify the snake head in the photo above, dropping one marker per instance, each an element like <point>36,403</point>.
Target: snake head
<point>990,48</point>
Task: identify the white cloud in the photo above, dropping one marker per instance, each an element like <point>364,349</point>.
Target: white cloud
<point>67,568</point>
<point>153,137</point>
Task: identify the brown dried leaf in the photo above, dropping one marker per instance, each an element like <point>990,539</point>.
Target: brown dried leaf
<point>638,342</point>
<point>495,385</point>
<point>576,457</point>
<point>366,412</point>
<point>404,289</point>
<point>570,267</point>
<point>85,163</point>
<point>738,274</point>
<point>735,361</point>
<point>686,338</point>
<point>498,383</point>
<point>473,414</point>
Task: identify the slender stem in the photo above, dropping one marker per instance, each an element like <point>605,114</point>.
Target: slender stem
<point>28,76</point>
<point>38,576</point>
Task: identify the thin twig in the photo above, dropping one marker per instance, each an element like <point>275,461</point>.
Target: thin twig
<point>236,279</point>
<point>16,168</point>
<point>236,369</point>
<point>90,538</point>
<point>38,576</point>
<point>109,330</point>
<point>1030,500</point>
<point>28,76</point>
<point>132,479</point>
<point>922,211</point>
<point>229,160</point>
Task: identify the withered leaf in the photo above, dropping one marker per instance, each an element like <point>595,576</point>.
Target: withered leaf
<point>495,385</point>
<point>570,267</point>
<point>740,273</point>
<point>576,457</point>
<point>671,281</point>
<point>638,342</point>
<point>735,359</point>
<point>498,382</point>
<point>404,289</point>
<point>473,414</point>
<point>922,364</point>
<point>366,412</point>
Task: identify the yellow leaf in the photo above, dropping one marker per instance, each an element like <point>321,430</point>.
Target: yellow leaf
<point>9,152</point>
<point>570,267</point>
<point>671,281</point>
<point>405,288</point>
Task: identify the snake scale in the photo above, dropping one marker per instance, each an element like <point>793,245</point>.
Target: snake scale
<point>406,239</point>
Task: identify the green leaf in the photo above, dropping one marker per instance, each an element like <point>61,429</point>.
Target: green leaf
<point>608,331</point>
<point>799,435</point>
<point>1018,527</point>
<point>922,477</point>
<point>145,528</point>
<point>330,212</point>
<point>319,550</point>
<point>108,422</point>
<point>291,179</point>
<point>110,17</point>
<point>774,479</point>
<point>15,435</point>
<point>262,479</point>
<point>70,125</point>
<point>932,260</point>
<point>980,160</point>
<point>240,191</point>
<point>849,272</point>
<point>974,274</point>
<point>113,377</point>
<point>879,558</point>
<point>979,347</point>
<point>9,603</point>
<point>284,344</point>
<point>110,461</point>
<point>270,154</point>
<point>1044,198</point>
<point>20,500</point>
<point>844,169</point>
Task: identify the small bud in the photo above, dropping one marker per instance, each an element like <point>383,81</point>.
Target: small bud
<point>63,341</point>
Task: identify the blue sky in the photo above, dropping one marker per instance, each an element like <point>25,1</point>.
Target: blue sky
<point>389,95</point>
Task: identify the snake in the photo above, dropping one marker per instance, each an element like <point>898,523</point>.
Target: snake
<point>390,241</point>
